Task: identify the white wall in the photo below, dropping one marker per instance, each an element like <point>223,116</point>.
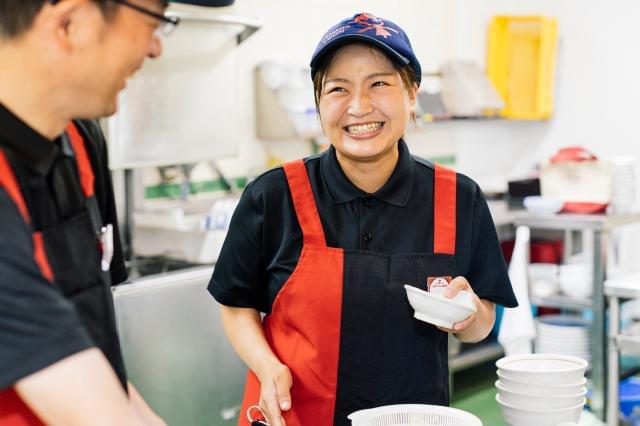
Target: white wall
<point>596,90</point>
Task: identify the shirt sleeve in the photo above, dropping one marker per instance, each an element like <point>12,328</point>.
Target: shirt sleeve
<point>38,326</point>
<point>239,275</point>
<point>488,273</point>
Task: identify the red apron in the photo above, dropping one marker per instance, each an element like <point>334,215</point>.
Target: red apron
<point>330,317</point>
<point>13,411</point>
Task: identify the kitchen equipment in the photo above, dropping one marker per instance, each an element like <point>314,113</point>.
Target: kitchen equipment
<point>436,309</point>
<point>565,335</point>
<point>413,415</point>
<point>540,390</point>
<point>515,416</point>
<point>547,369</point>
<point>175,349</point>
<point>529,401</point>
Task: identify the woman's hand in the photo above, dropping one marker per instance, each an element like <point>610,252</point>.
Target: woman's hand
<point>275,392</point>
<point>477,325</point>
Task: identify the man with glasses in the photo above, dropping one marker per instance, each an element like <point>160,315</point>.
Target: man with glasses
<point>62,64</point>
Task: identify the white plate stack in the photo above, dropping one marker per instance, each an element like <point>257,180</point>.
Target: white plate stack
<point>624,188</point>
<point>563,335</point>
<point>541,389</point>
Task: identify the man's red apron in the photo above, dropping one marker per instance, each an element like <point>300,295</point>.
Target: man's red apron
<point>47,245</point>
<point>343,325</point>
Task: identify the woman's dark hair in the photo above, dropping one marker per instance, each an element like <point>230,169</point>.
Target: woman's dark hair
<point>407,74</point>
<point>16,16</point>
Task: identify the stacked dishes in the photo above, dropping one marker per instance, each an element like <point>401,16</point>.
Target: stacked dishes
<point>623,184</point>
<point>576,279</point>
<point>541,390</point>
<point>564,335</point>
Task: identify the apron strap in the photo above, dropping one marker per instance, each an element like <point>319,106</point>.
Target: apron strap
<point>304,203</point>
<point>10,184</point>
<point>82,158</point>
<point>444,211</point>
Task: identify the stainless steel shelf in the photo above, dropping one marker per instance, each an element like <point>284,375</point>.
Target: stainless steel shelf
<point>562,302</point>
<point>483,352</point>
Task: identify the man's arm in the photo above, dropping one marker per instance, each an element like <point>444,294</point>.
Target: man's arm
<point>79,390</point>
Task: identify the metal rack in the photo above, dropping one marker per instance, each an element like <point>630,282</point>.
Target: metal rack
<point>615,290</point>
<point>600,226</point>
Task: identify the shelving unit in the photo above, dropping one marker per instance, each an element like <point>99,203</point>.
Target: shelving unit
<point>600,226</point>
<point>617,342</point>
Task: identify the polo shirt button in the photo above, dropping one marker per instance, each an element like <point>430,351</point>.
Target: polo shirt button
<point>367,201</point>
<point>366,236</point>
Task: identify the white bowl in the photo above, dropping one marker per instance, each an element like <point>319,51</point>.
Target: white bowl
<point>580,288</point>
<point>542,205</point>
<point>436,310</point>
<point>540,390</point>
<point>547,417</point>
<point>528,401</point>
<point>547,369</point>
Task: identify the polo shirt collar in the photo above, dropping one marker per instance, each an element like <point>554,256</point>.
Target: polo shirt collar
<point>396,190</point>
<point>36,151</point>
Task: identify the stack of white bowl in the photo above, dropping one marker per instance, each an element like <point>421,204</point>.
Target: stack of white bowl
<point>623,184</point>
<point>543,279</point>
<point>541,389</point>
<point>576,279</point>
<point>564,335</point>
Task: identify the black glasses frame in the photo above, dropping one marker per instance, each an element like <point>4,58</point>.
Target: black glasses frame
<point>169,23</point>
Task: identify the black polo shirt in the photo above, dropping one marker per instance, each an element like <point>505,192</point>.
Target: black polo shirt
<point>265,240</point>
<point>38,325</point>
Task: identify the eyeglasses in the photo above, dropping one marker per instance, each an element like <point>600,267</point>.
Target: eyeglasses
<point>167,23</point>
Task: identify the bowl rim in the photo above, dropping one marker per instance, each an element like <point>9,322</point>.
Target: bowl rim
<point>541,411</point>
<point>583,382</point>
<point>503,363</point>
<point>500,387</point>
<point>439,300</point>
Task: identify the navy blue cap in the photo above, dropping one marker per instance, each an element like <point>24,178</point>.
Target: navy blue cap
<point>208,3</point>
<point>368,28</point>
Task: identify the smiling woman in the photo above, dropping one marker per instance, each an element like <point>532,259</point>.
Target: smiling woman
<point>335,238</point>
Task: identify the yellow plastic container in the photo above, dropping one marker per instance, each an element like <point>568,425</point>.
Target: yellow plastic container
<point>521,64</point>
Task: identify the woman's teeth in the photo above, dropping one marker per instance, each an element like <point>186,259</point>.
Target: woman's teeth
<point>363,128</point>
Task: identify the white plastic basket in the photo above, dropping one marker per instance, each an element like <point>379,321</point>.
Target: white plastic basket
<point>413,415</point>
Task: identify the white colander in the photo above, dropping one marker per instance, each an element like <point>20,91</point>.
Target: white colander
<point>413,415</point>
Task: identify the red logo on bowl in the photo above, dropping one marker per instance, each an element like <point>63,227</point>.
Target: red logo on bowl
<point>438,284</point>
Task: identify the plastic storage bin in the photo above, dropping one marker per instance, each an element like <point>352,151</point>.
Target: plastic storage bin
<point>521,64</point>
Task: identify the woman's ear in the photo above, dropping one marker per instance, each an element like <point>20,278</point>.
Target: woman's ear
<point>413,96</point>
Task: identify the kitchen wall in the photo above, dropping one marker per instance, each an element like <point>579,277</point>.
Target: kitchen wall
<point>596,89</point>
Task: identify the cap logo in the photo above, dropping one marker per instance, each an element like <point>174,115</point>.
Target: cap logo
<point>371,22</point>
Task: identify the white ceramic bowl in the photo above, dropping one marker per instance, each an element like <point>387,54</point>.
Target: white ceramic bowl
<point>516,416</point>
<point>543,279</point>
<point>545,369</point>
<point>436,310</point>
<point>542,205</point>
<point>528,401</point>
<point>578,287</point>
<point>540,390</point>
<point>547,417</point>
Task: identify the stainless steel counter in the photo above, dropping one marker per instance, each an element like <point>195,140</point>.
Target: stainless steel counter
<point>175,349</point>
